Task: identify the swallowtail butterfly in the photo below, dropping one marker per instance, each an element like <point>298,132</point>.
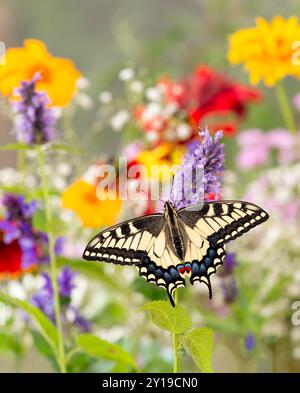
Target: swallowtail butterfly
<point>178,244</point>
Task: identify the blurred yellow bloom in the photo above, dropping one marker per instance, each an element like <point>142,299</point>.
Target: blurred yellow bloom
<point>163,156</point>
<point>267,50</point>
<point>81,197</point>
<point>58,76</point>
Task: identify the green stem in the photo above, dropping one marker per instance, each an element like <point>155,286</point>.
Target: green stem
<point>285,108</point>
<point>53,268</point>
<point>21,164</point>
<point>176,342</point>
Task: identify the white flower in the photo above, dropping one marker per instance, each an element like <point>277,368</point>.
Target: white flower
<point>58,183</point>
<point>30,181</point>
<point>170,109</point>
<point>57,112</point>
<point>126,74</point>
<point>15,289</point>
<point>84,101</point>
<point>153,94</point>
<point>9,176</point>
<point>152,136</point>
<point>184,131</point>
<point>105,97</point>
<point>153,109</point>
<point>91,174</point>
<point>136,86</point>
<point>64,169</point>
<point>119,120</point>
<point>83,83</point>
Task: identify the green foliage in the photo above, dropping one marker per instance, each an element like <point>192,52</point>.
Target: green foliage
<point>199,343</point>
<point>9,343</point>
<point>44,325</point>
<point>174,319</point>
<point>95,346</point>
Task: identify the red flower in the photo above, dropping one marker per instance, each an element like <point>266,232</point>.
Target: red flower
<point>10,259</point>
<point>209,92</point>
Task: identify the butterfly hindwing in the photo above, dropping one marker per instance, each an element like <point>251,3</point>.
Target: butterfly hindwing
<point>160,269</point>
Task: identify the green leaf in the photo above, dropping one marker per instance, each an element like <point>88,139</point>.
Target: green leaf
<point>199,343</point>
<point>60,146</point>
<point>16,146</point>
<point>45,326</point>
<point>174,319</point>
<point>9,343</point>
<point>99,348</point>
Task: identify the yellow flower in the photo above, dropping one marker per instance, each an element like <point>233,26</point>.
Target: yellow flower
<point>163,157</point>
<point>267,49</point>
<point>81,197</point>
<point>58,76</point>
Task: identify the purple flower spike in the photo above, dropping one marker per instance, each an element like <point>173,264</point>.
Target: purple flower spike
<point>65,281</point>
<point>201,171</point>
<point>249,342</point>
<point>229,263</point>
<point>34,121</point>
<point>43,299</point>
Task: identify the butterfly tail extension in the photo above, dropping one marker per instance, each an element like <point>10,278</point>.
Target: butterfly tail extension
<point>167,278</point>
<point>202,270</point>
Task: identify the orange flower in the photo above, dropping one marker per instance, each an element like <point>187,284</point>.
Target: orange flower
<point>58,75</point>
<point>81,197</point>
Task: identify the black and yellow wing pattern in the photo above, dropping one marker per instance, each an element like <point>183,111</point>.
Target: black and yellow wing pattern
<point>148,242</point>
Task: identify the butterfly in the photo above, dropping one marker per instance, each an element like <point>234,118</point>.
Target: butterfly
<point>176,245</point>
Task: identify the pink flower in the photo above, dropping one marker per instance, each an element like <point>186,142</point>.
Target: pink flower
<point>254,150</point>
<point>257,146</point>
<point>296,101</point>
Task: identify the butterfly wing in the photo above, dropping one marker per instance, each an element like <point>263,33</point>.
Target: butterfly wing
<point>125,243</point>
<point>209,228</point>
<point>144,242</point>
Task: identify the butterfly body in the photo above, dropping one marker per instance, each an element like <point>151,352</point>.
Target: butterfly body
<point>177,245</point>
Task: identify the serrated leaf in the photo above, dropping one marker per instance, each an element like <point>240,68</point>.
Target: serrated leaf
<point>174,319</point>
<point>102,349</point>
<point>199,343</point>
<point>45,326</point>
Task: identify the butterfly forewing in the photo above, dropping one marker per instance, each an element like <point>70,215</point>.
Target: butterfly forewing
<point>126,243</point>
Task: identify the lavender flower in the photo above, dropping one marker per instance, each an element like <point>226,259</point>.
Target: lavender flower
<point>200,174</point>
<point>228,281</point>
<point>43,299</point>
<point>65,281</point>
<point>34,121</point>
<point>16,207</point>
<point>249,341</point>
<point>17,225</point>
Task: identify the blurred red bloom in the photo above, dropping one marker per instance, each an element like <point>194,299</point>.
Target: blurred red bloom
<point>10,259</point>
<point>208,92</point>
